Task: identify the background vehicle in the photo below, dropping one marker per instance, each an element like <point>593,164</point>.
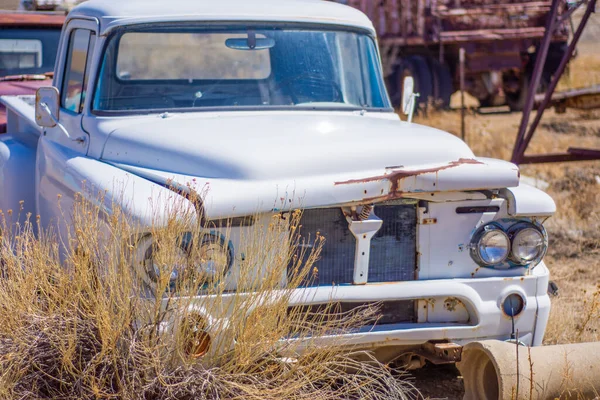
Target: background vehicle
<point>28,46</point>
<point>423,38</point>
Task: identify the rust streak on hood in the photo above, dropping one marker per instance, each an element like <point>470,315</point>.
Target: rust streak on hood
<point>395,175</point>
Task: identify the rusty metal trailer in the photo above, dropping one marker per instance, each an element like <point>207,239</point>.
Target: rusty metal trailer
<point>501,39</point>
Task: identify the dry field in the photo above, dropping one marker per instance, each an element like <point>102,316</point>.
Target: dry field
<point>574,231</point>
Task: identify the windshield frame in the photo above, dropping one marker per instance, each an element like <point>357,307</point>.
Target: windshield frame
<point>120,31</point>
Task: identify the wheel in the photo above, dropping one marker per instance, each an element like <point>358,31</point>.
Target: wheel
<point>516,100</point>
<point>417,67</point>
<point>443,86</point>
<point>556,53</point>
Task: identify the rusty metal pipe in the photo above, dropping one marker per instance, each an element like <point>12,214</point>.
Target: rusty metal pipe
<point>493,369</point>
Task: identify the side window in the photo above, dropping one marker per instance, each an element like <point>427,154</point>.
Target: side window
<point>74,86</point>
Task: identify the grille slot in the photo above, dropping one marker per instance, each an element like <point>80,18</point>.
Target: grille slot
<point>393,255</point>
<point>336,261</point>
<point>387,312</point>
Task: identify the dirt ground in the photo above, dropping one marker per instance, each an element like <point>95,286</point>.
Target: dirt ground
<point>574,250</point>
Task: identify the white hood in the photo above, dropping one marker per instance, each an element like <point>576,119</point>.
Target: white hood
<point>263,146</point>
<point>249,161</point>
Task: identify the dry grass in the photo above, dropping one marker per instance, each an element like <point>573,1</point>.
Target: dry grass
<point>574,255</point>
<point>92,325</point>
<point>584,71</point>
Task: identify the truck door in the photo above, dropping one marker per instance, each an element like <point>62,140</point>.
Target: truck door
<point>55,147</point>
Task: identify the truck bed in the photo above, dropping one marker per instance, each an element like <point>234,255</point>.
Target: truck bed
<point>20,118</point>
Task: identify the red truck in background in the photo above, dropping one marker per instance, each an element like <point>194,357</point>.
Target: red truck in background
<point>28,47</point>
<point>422,38</point>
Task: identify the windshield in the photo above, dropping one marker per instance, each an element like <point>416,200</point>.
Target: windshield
<point>28,51</point>
<point>225,67</point>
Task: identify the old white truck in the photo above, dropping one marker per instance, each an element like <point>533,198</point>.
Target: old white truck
<point>269,102</point>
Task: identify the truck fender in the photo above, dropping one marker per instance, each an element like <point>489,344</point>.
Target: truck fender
<point>63,175</point>
<point>145,202</point>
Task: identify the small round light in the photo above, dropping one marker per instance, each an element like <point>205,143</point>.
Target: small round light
<point>513,305</point>
<point>528,244</point>
<point>196,339</point>
<point>491,246</point>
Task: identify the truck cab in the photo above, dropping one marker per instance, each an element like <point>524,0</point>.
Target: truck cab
<point>271,106</point>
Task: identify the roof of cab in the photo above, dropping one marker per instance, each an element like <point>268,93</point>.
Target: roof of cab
<point>112,13</point>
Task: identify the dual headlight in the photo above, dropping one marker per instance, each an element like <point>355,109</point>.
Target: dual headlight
<point>204,259</point>
<point>520,244</point>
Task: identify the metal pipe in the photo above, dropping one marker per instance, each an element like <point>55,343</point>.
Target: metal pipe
<point>521,145</point>
<point>489,369</point>
<point>542,54</point>
<point>572,154</point>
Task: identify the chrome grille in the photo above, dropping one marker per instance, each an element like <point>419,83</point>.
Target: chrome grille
<point>393,248</point>
<point>393,255</point>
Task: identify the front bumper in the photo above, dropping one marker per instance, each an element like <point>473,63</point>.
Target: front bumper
<point>481,317</point>
<point>482,298</point>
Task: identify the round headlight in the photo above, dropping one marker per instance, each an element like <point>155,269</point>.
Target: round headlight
<point>215,258</point>
<point>528,245</point>
<point>152,267</point>
<point>491,246</point>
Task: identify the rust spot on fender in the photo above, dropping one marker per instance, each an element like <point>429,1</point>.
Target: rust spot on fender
<point>396,175</point>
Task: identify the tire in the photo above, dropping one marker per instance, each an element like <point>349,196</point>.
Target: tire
<point>555,56</point>
<point>516,101</point>
<point>417,67</point>
<point>443,83</point>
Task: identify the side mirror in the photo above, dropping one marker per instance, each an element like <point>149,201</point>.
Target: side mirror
<point>47,106</point>
<point>407,94</point>
<point>408,97</point>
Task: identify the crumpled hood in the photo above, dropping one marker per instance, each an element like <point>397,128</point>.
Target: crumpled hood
<point>259,147</point>
<point>258,163</point>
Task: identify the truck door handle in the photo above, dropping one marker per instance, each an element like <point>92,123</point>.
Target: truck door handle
<point>80,140</point>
